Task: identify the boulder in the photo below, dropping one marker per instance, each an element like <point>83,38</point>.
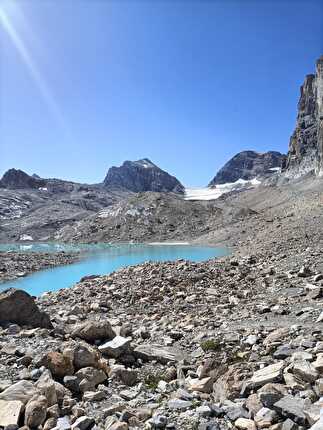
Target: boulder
<point>159,353</point>
<point>116,347</point>
<point>93,330</point>
<point>305,371</point>
<point>245,424</point>
<point>22,391</point>
<point>83,423</point>
<point>35,413</point>
<point>89,378</point>
<point>269,394</point>
<point>268,374</point>
<point>19,307</point>
<point>276,336</point>
<point>204,385</point>
<point>293,408</point>
<point>265,418</point>
<point>127,376</point>
<point>229,384</point>
<point>10,412</point>
<point>46,386</point>
<point>318,363</point>
<point>83,356</point>
<point>60,365</point>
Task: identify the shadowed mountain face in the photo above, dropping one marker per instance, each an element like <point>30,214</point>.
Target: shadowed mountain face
<point>248,165</point>
<point>139,176</point>
<point>305,154</point>
<point>17,179</point>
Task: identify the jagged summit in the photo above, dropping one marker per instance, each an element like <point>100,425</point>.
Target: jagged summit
<point>141,175</point>
<point>305,153</point>
<point>248,165</point>
<point>18,179</point>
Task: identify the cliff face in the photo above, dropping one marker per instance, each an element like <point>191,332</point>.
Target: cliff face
<point>305,153</point>
<point>139,176</point>
<point>248,165</point>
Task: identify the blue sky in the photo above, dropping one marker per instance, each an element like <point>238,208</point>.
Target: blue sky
<point>86,84</point>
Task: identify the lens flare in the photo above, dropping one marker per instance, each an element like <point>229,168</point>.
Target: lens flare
<point>7,24</point>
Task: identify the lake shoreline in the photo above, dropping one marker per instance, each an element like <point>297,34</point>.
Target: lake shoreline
<point>18,264</point>
<point>38,272</point>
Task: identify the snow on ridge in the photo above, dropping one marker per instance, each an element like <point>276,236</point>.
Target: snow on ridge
<point>218,190</point>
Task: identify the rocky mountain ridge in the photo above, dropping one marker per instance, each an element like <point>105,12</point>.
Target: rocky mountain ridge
<point>249,165</point>
<point>305,153</point>
<point>140,176</point>
<point>17,179</point>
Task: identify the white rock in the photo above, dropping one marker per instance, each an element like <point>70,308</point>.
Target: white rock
<point>10,412</point>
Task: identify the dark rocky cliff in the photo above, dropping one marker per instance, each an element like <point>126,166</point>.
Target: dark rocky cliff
<point>248,165</point>
<point>139,176</point>
<point>305,153</point>
<point>17,179</point>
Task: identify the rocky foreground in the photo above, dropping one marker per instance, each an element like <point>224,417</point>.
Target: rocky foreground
<point>18,264</point>
<point>224,344</point>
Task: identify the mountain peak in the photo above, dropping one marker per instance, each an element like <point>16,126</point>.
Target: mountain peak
<point>248,165</point>
<point>18,179</point>
<point>139,176</point>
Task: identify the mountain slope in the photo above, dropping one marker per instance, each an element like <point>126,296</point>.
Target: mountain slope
<point>144,217</point>
<point>139,176</point>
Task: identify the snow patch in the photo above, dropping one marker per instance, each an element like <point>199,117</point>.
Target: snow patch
<point>218,190</point>
<point>168,243</point>
<point>275,169</point>
<point>146,164</point>
<point>107,213</point>
<point>25,237</point>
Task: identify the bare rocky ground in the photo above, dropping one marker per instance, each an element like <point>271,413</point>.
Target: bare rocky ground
<point>39,213</point>
<point>18,264</point>
<point>230,343</point>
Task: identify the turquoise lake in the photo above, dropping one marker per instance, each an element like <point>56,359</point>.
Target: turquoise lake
<point>100,259</point>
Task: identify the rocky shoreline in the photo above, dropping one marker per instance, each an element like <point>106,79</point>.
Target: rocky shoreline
<point>15,265</point>
<point>228,343</point>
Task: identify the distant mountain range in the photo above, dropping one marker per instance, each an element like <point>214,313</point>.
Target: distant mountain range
<point>139,201</point>
<point>132,176</point>
<point>305,155</point>
<point>143,175</point>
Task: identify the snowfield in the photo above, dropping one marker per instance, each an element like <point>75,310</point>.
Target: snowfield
<point>216,192</point>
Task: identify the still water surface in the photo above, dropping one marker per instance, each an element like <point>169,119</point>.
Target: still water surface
<point>100,259</point>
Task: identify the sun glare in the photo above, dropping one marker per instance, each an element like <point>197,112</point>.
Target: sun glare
<point>7,15</point>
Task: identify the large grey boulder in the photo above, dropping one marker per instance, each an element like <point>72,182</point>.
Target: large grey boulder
<point>93,330</point>
<point>159,353</point>
<point>19,307</point>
